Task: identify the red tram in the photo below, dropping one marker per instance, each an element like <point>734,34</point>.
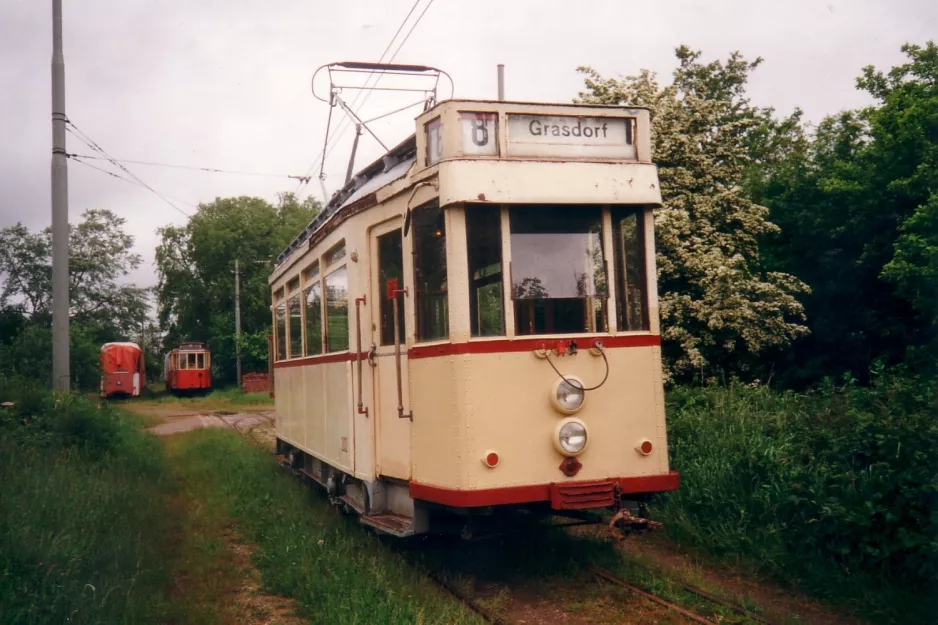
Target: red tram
<point>188,368</point>
<point>123,371</point>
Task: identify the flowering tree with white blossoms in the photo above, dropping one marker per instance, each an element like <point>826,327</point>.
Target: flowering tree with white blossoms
<point>720,312</point>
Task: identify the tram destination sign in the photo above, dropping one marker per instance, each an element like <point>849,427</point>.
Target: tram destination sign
<point>569,136</point>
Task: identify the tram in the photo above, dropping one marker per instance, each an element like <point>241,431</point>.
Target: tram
<point>469,330</point>
<point>123,370</point>
<point>188,368</point>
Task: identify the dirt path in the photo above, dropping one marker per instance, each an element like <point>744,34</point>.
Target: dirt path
<point>243,422</point>
<point>214,580</point>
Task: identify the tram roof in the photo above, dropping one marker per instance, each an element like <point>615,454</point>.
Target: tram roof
<point>397,161</point>
<point>393,165</point>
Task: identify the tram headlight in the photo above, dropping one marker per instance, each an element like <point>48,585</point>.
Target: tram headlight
<point>571,437</point>
<point>567,395</point>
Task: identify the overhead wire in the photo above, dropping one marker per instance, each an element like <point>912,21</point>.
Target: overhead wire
<point>211,170</point>
<point>365,91</point>
<point>88,141</point>
<point>79,159</point>
<point>344,124</point>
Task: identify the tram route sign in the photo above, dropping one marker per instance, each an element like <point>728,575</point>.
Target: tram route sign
<point>570,136</point>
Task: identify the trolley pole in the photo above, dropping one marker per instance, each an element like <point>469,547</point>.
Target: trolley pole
<point>61,377</point>
<point>501,82</point>
<point>238,322</point>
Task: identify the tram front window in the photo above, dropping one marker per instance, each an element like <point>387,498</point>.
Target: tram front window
<point>558,272</point>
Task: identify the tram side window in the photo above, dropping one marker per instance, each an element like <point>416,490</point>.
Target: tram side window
<point>296,318</point>
<point>313,295</point>
<point>280,325</point>
<point>430,286</point>
<point>337,310</point>
<point>484,247</point>
<point>631,270</point>
<point>558,273</point>
<point>391,267</point>
<point>182,361</point>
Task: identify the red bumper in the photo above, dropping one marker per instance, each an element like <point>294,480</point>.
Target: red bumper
<point>582,494</point>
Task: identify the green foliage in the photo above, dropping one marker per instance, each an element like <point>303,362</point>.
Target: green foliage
<point>834,488</point>
<point>857,210</point>
<point>99,256</point>
<point>27,351</point>
<point>720,311</point>
<point>102,309</point>
<point>195,265</point>
<point>339,573</point>
<point>82,513</point>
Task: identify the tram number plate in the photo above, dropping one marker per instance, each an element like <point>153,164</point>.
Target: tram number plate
<point>479,133</point>
<point>391,286</point>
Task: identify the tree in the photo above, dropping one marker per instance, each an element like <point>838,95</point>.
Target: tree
<point>102,308</point>
<point>857,208</point>
<point>720,311</point>
<point>195,265</point>
<point>100,254</point>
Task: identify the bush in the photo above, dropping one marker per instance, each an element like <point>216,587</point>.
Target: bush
<point>83,513</point>
<point>828,487</point>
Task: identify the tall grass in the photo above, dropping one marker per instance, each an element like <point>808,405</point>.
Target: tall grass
<point>834,489</point>
<point>82,513</point>
<point>339,573</point>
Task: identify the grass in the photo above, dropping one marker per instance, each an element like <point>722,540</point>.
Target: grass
<point>830,491</point>
<point>83,514</point>
<point>156,405</point>
<point>337,571</point>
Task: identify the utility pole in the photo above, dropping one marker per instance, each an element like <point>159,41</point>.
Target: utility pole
<point>501,82</point>
<point>61,377</point>
<point>238,321</point>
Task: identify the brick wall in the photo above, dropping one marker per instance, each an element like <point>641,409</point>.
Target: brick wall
<point>254,383</point>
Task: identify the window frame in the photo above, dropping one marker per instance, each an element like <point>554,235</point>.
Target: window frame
<point>415,275</point>
<point>278,335</point>
<point>292,290</point>
<point>333,265</point>
<point>600,304</point>
<point>474,311</point>
<point>620,268</point>
<point>309,281</point>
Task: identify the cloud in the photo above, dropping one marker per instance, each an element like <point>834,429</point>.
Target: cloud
<point>226,83</point>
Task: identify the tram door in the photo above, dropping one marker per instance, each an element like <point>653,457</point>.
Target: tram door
<point>392,447</point>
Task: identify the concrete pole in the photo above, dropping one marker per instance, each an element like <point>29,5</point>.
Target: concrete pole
<point>501,82</point>
<point>61,377</point>
<point>238,321</point>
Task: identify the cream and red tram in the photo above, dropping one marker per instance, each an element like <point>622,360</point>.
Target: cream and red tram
<point>513,242</point>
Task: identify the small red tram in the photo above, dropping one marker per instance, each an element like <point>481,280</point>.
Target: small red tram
<point>188,368</point>
<point>123,371</point>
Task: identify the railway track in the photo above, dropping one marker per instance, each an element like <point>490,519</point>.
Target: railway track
<point>608,577</point>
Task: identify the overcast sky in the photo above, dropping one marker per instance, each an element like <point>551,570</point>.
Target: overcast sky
<point>226,83</point>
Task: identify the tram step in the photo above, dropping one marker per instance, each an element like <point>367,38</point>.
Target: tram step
<point>394,524</point>
<point>352,503</point>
